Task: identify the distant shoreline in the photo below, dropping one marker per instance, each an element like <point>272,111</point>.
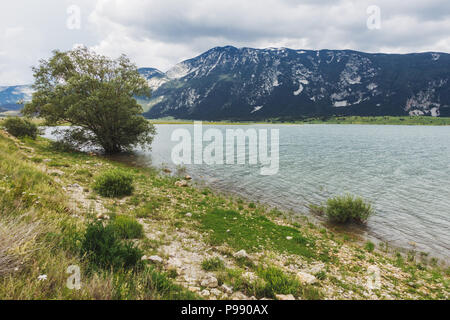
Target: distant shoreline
<point>378,120</point>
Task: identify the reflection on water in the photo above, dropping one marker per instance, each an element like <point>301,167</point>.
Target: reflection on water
<point>402,170</point>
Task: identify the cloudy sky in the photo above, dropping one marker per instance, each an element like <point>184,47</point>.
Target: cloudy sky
<point>160,33</point>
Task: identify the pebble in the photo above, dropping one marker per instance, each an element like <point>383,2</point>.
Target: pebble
<point>241,254</point>
<point>285,297</point>
<point>306,278</point>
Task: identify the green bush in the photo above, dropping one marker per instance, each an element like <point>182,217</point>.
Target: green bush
<point>213,264</point>
<point>104,249</point>
<point>20,127</point>
<point>370,246</point>
<point>114,183</point>
<point>127,228</point>
<point>277,282</point>
<point>348,209</point>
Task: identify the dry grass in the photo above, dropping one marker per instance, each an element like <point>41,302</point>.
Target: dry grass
<point>16,242</point>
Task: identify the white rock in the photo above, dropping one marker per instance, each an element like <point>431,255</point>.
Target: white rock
<point>227,289</point>
<point>156,259</point>
<point>205,293</point>
<point>284,297</point>
<point>194,289</point>
<point>102,216</point>
<point>181,184</point>
<point>189,215</point>
<point>241,254</point>
<point>250,276</point>
<point>239,296</point>
<point>289,238</point>
<point>306,278</point>
<point>316,268</point>
<point>210,282</point>
<point>216,292</point>
<point>175,263</point>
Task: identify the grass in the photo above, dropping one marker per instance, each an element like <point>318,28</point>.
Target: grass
<point>382,120</point>
<point>127,228</point>
<point>277,282</point>
<point>103,248</point>
<point>254,232</point>
<point>43,239</point>
<point>114,183</point>
<point>213,264</point>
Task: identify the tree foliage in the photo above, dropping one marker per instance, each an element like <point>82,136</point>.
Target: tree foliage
<point>95,94</point>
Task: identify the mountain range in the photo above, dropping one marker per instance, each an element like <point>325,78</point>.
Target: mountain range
<point>228,83</point>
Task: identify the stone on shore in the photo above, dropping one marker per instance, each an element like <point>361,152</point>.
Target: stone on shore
<point>306,278</point>
<point>155,259</point>
<point>241,254</point>
<point>210,282</point>
<point>181,184</point>
<point>284,297</point>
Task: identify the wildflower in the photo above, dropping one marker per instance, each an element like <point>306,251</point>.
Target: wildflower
<point>42,277</point>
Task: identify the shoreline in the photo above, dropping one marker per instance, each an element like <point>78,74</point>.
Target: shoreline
<point>344,120</point>
<point>187,227</point>
<point>133,160</point>
<point>357,231</point>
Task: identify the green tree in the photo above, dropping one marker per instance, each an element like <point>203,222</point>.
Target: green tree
<point>94,94</point>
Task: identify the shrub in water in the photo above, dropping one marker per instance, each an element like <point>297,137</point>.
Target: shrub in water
<point>19,127</point>
<point>114,183</point>
<point>348,209</point>
<point>127,228</point>
<point>104,249</point>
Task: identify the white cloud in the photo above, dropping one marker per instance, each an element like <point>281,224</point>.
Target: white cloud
<point>162,33</point>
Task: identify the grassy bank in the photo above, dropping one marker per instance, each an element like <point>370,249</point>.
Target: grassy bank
<point>197,244</point>
<point>386,120</point>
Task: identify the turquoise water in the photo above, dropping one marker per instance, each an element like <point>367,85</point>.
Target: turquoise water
<point>404,171</point>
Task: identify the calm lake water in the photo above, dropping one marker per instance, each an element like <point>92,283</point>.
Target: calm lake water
<point>404,171</point>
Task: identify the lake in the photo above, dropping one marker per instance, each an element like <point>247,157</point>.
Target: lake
<point>404,171</point>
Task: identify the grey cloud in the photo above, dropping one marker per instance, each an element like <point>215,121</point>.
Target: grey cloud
<point>164,32</point>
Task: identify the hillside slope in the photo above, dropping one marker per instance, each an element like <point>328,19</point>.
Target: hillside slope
<point>255,84</point>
